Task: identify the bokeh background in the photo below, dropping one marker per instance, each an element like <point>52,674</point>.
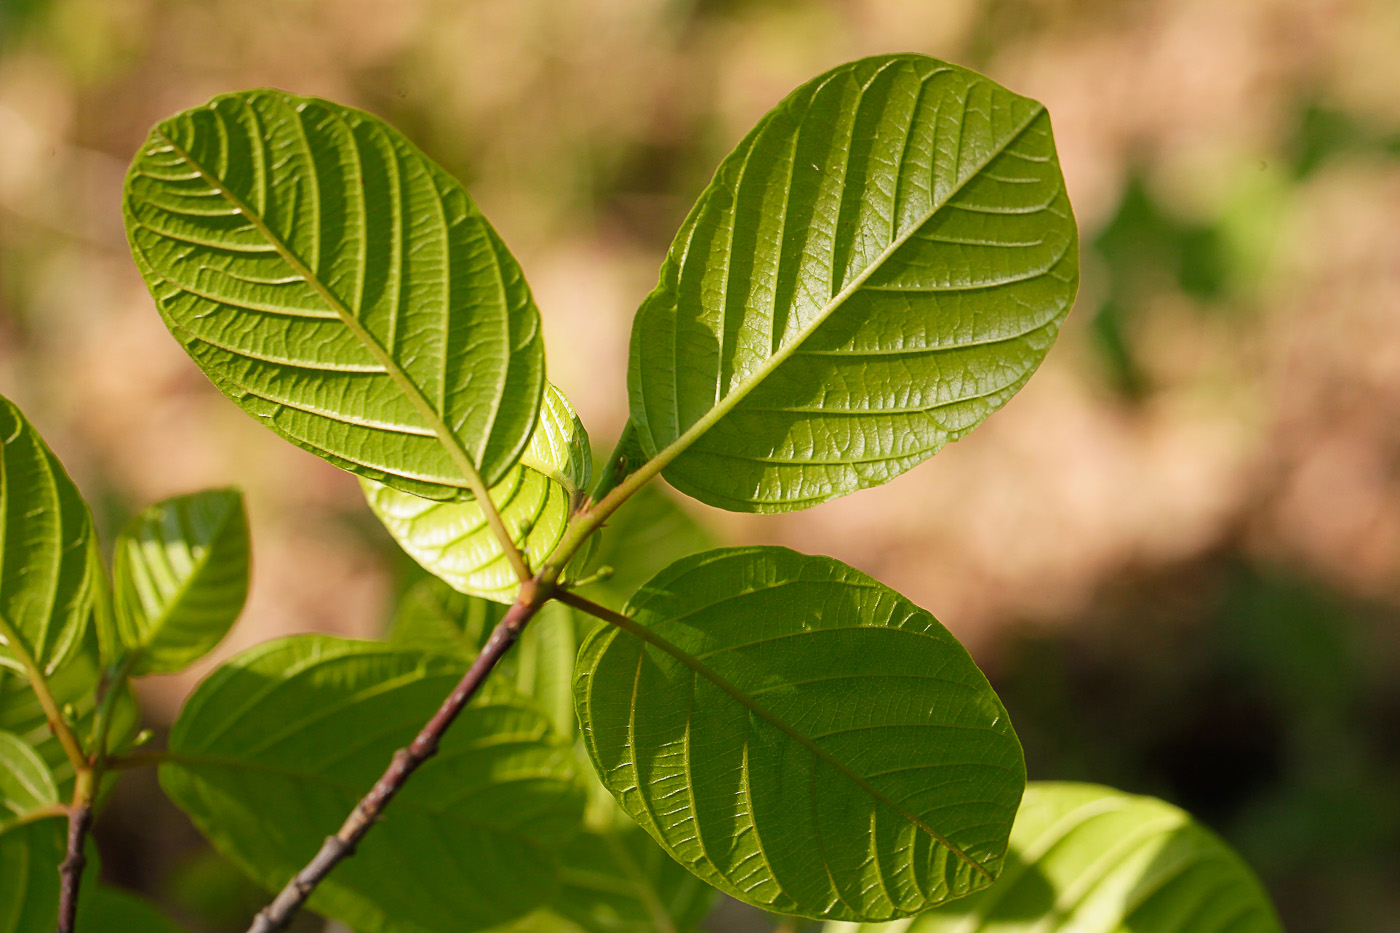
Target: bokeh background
<point>1176,552</point>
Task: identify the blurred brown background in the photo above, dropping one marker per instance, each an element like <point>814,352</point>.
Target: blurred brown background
<point>1177,552</point>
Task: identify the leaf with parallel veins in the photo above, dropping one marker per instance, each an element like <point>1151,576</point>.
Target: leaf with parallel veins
<point>801,737</point>
<point>340,287</point>
<point>880,264</point>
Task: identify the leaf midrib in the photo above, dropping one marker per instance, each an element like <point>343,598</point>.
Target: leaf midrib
<point>738,393</point>
<point>645,634</point>
<point>449,441</point>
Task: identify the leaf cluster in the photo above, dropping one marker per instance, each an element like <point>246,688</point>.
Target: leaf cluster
<point>881,264</point>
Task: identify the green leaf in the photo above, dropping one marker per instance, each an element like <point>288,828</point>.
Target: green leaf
<point>434,617</point>
<point>622,882</point>
<point>273,751</point>
<point>26,784</point>
<point>110,910</point>
<point>340,287</point>
<point>47,571</point>
<point>29,857</point>
<point>452,539</point>
<point>1085,857</point>
<point>880,264</point>
<point>181,570</point>
<point>73,685</point>
<point>613,878</point>
<point>801,736</point>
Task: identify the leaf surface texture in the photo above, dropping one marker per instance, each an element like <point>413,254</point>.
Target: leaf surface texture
<point>277,746</point>
<point>452,540</point>
<point>1091,859</point>
<point>801,736</point>
<point>181,578</point>
<point>340,287</point>
<point>47,553</point>
<point>880,264</point>
<point>26,784</point>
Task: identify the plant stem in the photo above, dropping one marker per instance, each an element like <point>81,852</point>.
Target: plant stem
<point>621,479</point>
<point>102,719</point>
<point>71,871</point>
<point>58,724</point>
<point>279,913</point>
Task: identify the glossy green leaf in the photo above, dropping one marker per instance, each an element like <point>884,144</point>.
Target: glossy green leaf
<point>1091,859</point>
<point>802,737</point>
<point>273,751</point>
<point>340,287</point>
<point>181,577</point>
<point>47,570</point>
<point>26,784</point>
<point>110,910</point>
<point>880,264</point>
<point>452,539</point>
<point>29,857</point>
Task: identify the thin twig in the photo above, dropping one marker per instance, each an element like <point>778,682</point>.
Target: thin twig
<point>70,872</point>
<point>279,913</point>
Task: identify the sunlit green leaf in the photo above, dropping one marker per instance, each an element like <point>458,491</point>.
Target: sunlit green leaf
<point>340,287</point>
<point>880,264</point>
<point>1090,858</point>
<point>452,539</point>
<point>273,751</point>
<point>26,784</point>
<point>47,571</point>
<point>181,577</point>
<point>802,737</point>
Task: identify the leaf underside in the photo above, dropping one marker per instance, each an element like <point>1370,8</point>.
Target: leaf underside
<point>802,737</point>
<point>453,541</point>
<point>1091,859</point>
<point>880,264</point>
<point>47,567</point>
<point>26,784</point>
<point>340,287</point>
<point>277,746</point>
<point>181,578</point>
